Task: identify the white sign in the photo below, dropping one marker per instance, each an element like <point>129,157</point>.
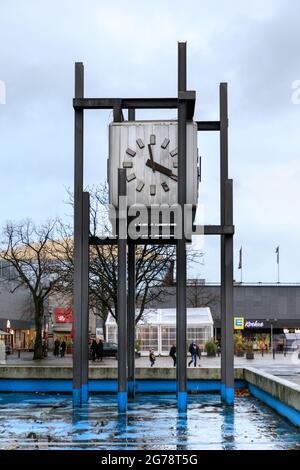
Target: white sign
<point>254,324</point>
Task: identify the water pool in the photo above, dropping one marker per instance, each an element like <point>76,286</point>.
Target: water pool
<point>38,421</point>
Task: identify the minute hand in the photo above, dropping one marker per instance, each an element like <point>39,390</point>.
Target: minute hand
<point>161,169</point>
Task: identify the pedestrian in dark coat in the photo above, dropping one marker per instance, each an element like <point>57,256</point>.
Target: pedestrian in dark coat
<point>173,354</point>
<point>63,348</point>
<point>194,351</point>
<point>151,357</point>
<point>100,350</point>
<point>56,347</point>
<point>94,350</point>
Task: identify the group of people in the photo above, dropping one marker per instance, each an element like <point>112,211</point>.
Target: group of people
<point>59,348</point>
<point>194,351</point>
<point>97,350</point>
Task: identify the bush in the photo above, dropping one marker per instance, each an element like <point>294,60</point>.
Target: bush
<point>211,347</point>
<point>238,343</point>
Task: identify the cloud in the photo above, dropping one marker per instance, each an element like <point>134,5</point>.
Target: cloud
<point>130,48</point>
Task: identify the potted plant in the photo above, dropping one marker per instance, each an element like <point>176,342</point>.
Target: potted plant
<point>69,346</point>
<point>239,345</point>
<point>137,348</point>
<point>211,348</point>
<point>249,349</point>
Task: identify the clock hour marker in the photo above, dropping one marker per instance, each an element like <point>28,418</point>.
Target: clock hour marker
<point>152,139</point>
<point>175,164</point>
<point>140,143</point>
<point>127,164</point>
<point>165,143</point>
<point>152,189</point>
<point>174,152</point>
<point>165,187</point>
<point>130,152</point>
<point>140,186</point>
<point>131,177</point>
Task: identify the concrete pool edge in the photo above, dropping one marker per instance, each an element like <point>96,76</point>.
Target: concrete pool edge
<point>281,395</point>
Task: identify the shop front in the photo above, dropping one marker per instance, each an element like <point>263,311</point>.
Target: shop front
<point>62,328</point>
<point>266,334</point>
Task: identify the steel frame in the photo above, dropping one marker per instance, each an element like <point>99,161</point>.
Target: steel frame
<point>185,104</point>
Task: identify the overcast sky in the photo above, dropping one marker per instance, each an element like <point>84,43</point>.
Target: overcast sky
<point>129,48</point>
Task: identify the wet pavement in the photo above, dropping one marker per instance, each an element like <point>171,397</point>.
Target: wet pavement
<point>287,367</point>
<point>41,421</point>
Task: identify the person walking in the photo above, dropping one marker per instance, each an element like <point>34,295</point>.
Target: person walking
<point>173,354</point>
<point>152,357</point>
<point>194,351</point>
<point>94,350</point>
<point>63,348</point>
<point>100,350</point>
<point>56,347</point>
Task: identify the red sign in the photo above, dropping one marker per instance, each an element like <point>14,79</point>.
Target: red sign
<point>64,315</point>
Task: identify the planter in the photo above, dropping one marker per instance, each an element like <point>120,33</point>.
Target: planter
<point>240,354</point>
<point>211,354</point>
<point>249,355</point>
<point>69,349</point>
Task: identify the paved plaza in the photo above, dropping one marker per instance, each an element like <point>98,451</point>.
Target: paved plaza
<point>287,367</point>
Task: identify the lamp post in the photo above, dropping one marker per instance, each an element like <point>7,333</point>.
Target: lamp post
<point>272,321</point>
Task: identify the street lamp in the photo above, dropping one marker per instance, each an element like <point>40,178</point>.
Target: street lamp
<point>271,321</point>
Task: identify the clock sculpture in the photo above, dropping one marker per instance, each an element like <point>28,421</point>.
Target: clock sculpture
<point>154,163</point>
<point>148,151</point>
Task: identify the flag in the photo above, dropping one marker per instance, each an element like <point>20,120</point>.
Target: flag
<point>277,252</point>
<point>241,258</point>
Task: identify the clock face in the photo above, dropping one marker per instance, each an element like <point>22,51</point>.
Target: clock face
<point>148,152</point>
<point>151,166</point>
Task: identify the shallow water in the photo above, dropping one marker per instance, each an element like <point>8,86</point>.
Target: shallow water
<point>38,421</point>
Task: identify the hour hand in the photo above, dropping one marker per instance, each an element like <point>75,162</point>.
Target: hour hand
<point>161,169</point>
<point>151,157</point>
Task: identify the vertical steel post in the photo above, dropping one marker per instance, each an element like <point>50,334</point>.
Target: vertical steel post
<point>122,295</point>
<point>131,320</point>
<point>131,305</point>
<point>85,298</point>
<point>181,322</point>
<point>78,238</point>
<point>226,203</point>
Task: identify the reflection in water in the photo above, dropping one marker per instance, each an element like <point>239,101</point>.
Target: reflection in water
<point>182,431</point>
<point>39,421</point>
<point>228,428</point>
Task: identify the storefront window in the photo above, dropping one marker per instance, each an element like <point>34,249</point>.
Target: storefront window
<point>168,338</point>
<point>148,337</point>
<point>112,333</point>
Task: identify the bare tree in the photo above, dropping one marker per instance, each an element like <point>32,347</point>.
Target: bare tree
<point>29,248</point>
<point>154,263</point>
<point>199,296</point>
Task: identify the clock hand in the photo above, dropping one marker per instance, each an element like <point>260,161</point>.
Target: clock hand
<point>161,169</point>
<point>151,157</point>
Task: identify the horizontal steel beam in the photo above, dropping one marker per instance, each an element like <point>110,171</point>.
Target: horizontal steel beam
<point>208,125</point>
<point>126,103</point>
<point>218,229</point>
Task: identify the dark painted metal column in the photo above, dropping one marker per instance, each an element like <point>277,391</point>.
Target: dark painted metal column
<point>227,357</point>
<point>181,320</point>
<point>131,306</point>
<point>78,238</point>
<point>122,294</point>
<point>131,320</point>
<point>85,298</point>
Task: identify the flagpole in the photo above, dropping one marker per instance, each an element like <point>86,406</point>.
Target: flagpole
<point>278,264</point>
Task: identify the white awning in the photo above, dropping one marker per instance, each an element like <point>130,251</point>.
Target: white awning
<point>167,316</point>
